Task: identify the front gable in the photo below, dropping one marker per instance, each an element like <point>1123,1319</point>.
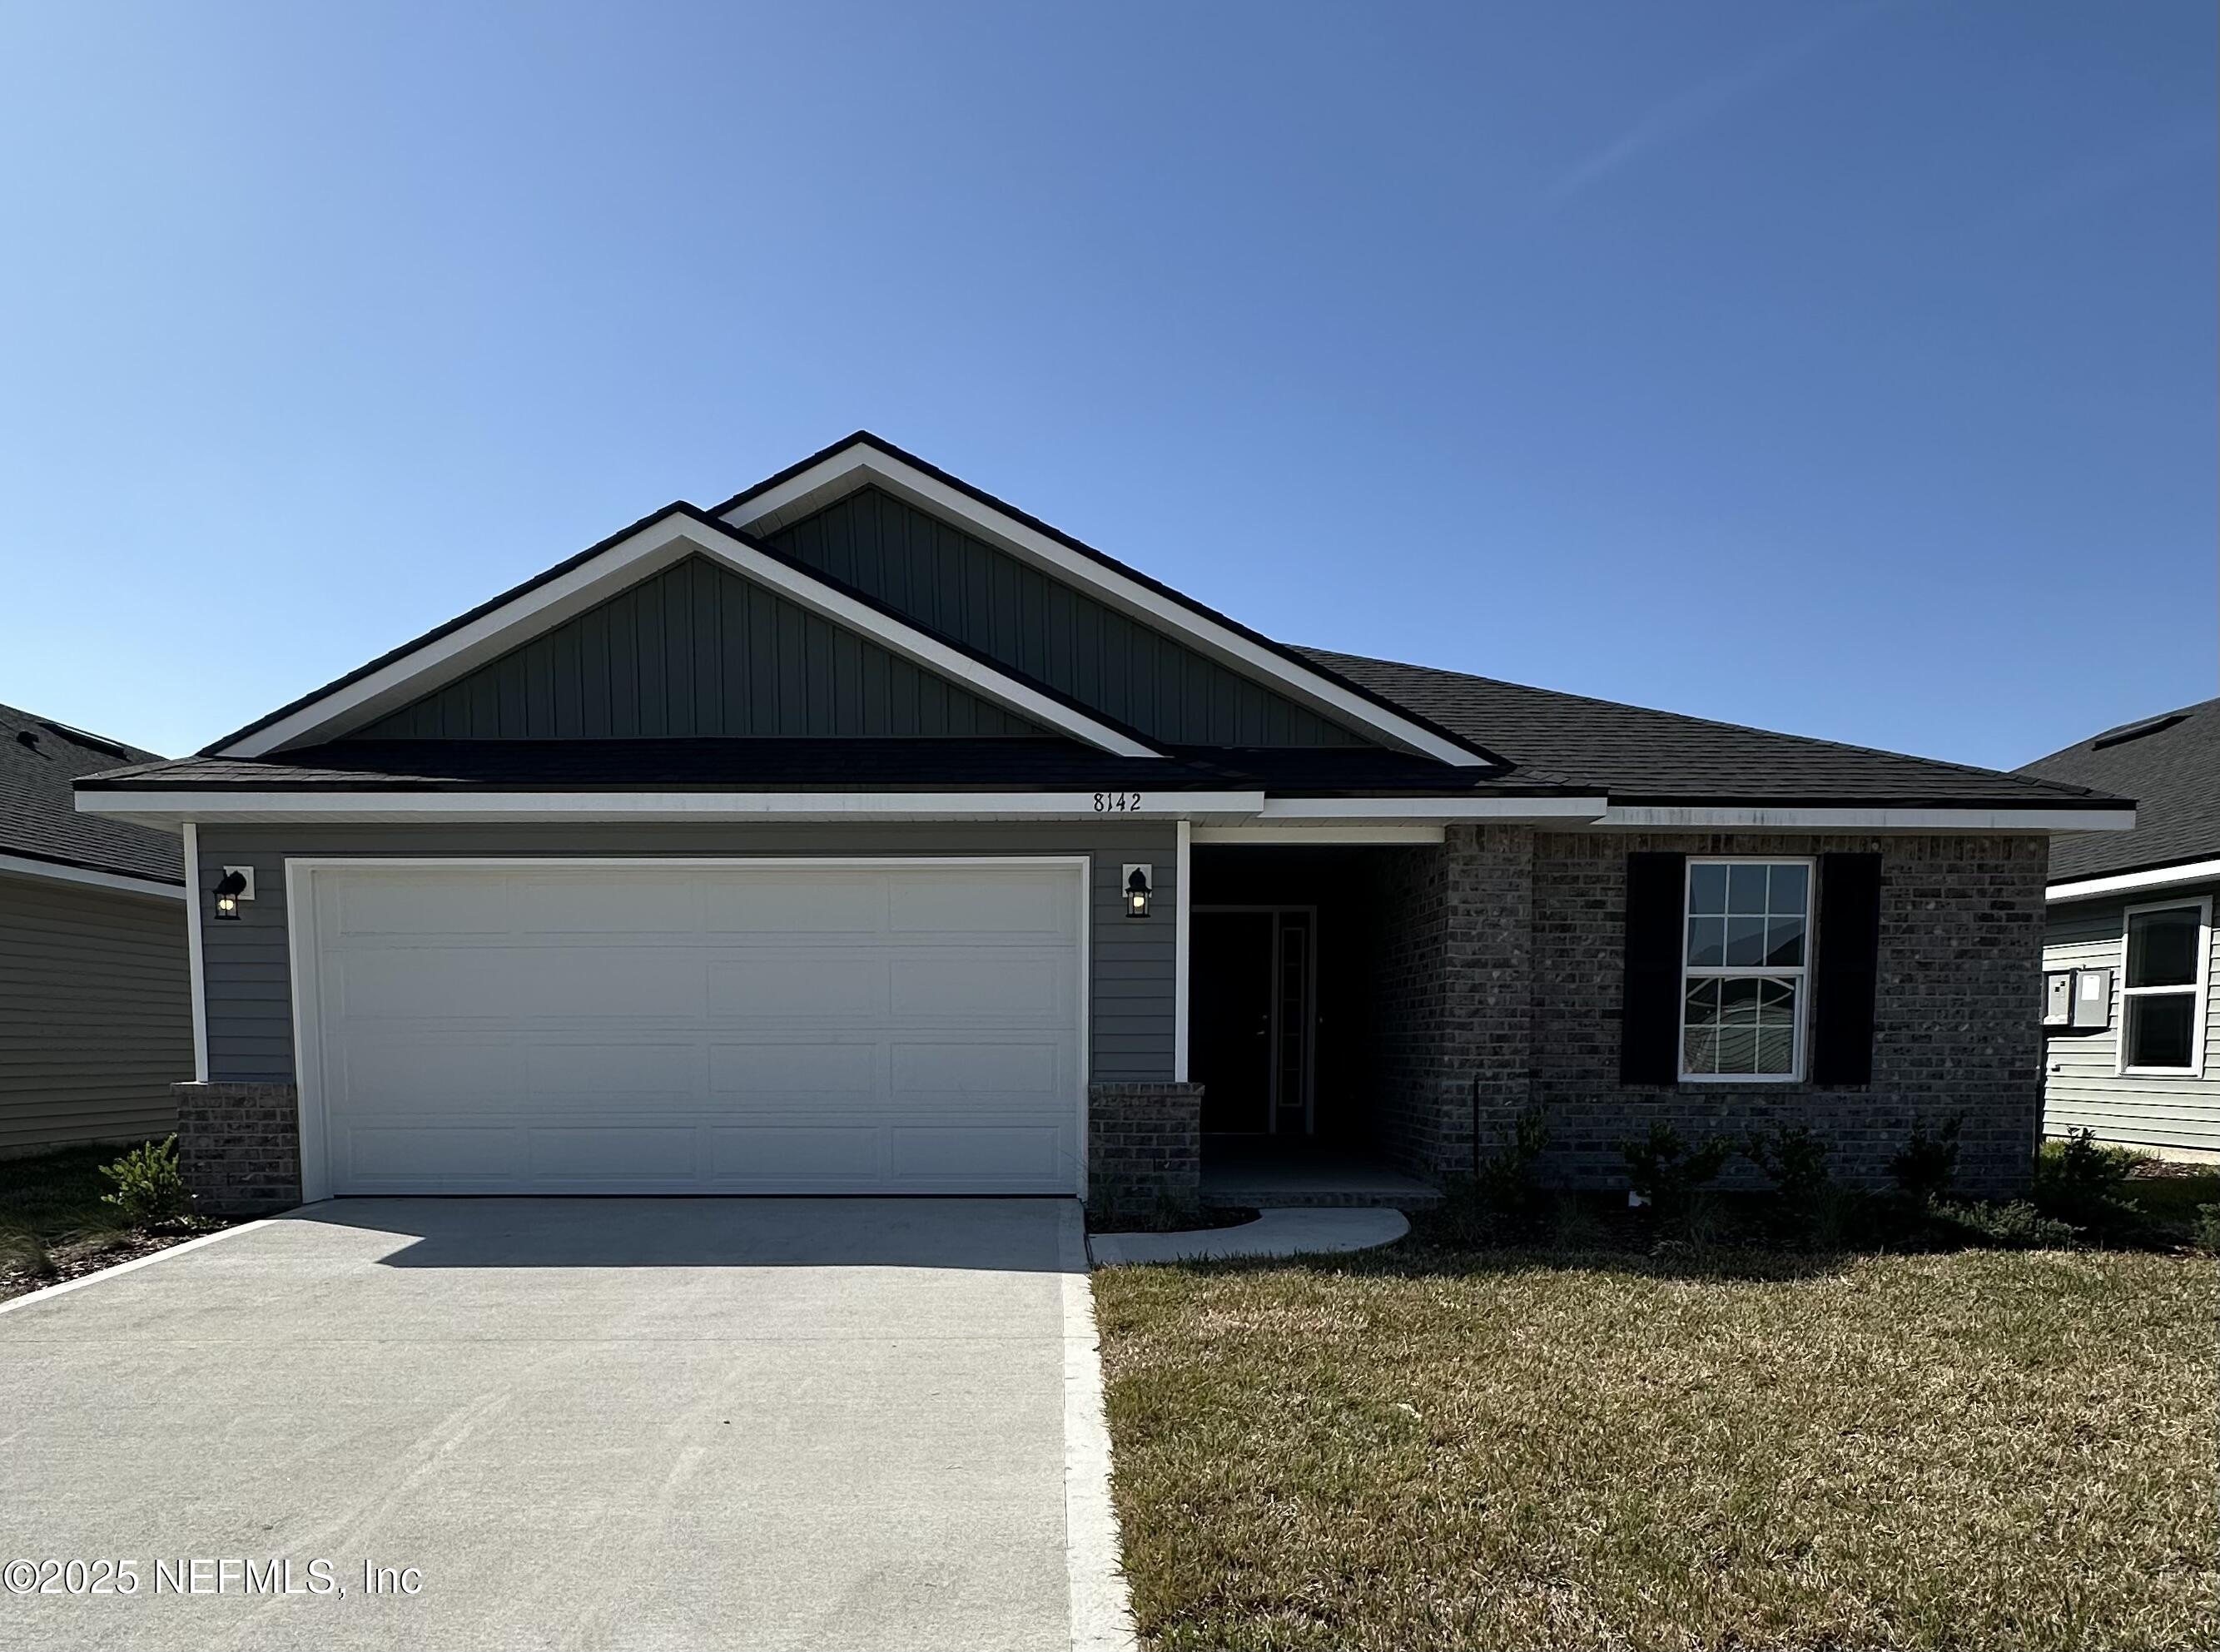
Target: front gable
<point>697,650</point>
<point>955,584</point>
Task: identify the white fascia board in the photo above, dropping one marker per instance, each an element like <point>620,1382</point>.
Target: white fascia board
<point>114,882</point>
<point>653,548</point>
<point>1671,818</point>
<point>2162,877</point>
<point>1297,810</point>
<point>1325,832</point>
<point>205,807</point>
<point>855,465</point>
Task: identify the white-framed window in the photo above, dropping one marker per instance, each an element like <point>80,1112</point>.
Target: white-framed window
<point>1745,970</point>
<point>2162,988</point>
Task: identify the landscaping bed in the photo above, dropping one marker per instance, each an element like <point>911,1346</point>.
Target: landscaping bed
<point>56,1224</point>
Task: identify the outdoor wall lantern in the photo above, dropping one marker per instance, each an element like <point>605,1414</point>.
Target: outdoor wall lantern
<point>1137,891</point>
<point>237,884</point>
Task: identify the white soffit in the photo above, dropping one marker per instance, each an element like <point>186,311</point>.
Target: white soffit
<point>859,465</point>
<point>2161,877</point>
<point>649,550</point>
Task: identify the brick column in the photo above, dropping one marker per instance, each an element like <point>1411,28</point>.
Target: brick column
<point>1143,1147</point>
<point>239,1146</point>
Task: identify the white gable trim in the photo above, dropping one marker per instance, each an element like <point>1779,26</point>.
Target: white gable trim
<point>2163,877</point>
<point>859,463</point>
<point>647,550</point>
<point>115,882</point>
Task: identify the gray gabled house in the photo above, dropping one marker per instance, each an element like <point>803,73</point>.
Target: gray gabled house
<point>2132,1042</point>
<point>95,1008</point>
<point>865,834</point>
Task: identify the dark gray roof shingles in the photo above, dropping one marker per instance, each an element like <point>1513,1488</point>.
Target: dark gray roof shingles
<point>1637,754</point>
<point>38,812</point>
<point>2173,774</point>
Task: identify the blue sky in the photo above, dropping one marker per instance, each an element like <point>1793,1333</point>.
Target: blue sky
<point>1848,370</point>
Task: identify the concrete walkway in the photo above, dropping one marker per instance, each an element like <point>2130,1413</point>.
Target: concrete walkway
<point>583,1423</point>
<point>1273,1233</point>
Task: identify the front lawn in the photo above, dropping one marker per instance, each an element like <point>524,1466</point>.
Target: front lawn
<point>1426,1446</point>
<point>54,1225</point>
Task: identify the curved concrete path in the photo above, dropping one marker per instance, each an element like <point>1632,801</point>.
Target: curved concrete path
<point>1273,1233</point>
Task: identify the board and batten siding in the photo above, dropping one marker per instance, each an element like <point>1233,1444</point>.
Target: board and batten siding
<point>697,650</point>
<point>1130,966</point>
<point>96,1014</point>
<point>2080,1085</point>
<point>956,584</point>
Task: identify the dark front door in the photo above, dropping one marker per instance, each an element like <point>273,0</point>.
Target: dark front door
<point>1230,1017</point>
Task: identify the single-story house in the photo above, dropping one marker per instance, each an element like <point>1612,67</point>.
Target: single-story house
<point>863,833</point>
<point>2130,1018</point>
<point>95,1010</point>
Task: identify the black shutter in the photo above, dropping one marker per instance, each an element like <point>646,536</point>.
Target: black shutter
<point>1650,1019</point>
<point>1848,969</point>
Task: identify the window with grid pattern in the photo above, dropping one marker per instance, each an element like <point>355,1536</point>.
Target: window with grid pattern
<point>1746,962</point>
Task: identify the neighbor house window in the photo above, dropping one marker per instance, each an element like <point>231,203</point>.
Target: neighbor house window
<point>1746,959</point>
<point>2162,990</point>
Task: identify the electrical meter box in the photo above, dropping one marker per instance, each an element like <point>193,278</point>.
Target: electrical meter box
<point>2092,999</point>
<point>2058,998</point>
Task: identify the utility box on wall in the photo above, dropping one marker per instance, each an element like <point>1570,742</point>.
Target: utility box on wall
<point>2058,998</point>
<point>2092,999</point>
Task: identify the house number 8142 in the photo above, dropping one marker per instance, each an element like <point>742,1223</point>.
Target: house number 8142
<point>1117,802</point>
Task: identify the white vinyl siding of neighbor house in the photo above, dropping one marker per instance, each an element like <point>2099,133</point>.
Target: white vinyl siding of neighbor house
<point>2082,1083</point>
<point>95,1013</point>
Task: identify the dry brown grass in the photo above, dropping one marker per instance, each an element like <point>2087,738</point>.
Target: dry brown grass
<point>1417,1448</point>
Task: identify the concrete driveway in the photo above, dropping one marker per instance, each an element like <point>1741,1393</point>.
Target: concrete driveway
<point>683,1423</point>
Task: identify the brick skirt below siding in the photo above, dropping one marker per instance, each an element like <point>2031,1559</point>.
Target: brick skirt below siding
<point>239,1146</point>
<point>1144,1146</point>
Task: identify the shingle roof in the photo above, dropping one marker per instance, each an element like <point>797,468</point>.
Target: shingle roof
<point>39,762</point>
<point>2171,768</point>
<point>700,764</point>
<point>1640,755</point>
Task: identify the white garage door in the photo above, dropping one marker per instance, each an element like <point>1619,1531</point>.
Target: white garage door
<point>773,1027</point>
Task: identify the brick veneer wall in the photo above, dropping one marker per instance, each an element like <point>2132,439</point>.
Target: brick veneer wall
<point>1144,1146</point>
<point>1450,1001</point>
<point>238,1146</point>
<point>1498,957</point>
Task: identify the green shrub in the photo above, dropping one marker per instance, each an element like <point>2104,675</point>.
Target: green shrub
<point>150,1189</point>
<point>1925,1166</point>
<point>1501,1199</point>
<point>1794,1159</point>
<point>1666,1173</point>
<point>2205,1235</point>
<point>2082,1181</point>
<point>2017,1226</point>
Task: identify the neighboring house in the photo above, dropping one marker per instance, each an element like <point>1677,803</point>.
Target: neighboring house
<point>865,834</point>
<point>2133,1029</point>
<point>94,1004</point>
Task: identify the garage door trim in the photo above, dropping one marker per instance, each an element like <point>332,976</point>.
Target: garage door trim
<point>302,949</point>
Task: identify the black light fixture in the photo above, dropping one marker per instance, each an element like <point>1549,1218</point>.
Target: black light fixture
<point>228,888</point>
<point>1136,891</point>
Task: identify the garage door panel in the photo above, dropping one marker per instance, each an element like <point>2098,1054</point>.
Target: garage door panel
<point>1002,984</point>
<point>821,904</point>
<point>809,1070</point>
<point>668,904</point>
<point>432,904</point>
<point>982,902</point>
<point>958,1070</point>
<point>706,1029</point>
<point>817,986</point>
<point>985,1154</point>
<point>802,1156</point>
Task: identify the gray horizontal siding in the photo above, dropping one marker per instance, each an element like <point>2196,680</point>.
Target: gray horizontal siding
<point>2081,1088</point>
<point>248,981</point>
<point>696,650</point>
<point>956,585</point>
<point>95,1013</point>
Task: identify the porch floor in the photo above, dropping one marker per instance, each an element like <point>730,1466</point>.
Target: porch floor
<point>1294,1172</point>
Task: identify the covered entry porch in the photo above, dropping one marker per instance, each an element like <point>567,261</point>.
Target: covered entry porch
<point>1306,993</point>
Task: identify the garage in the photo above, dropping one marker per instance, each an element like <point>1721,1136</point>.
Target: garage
<point>691,1027</point>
